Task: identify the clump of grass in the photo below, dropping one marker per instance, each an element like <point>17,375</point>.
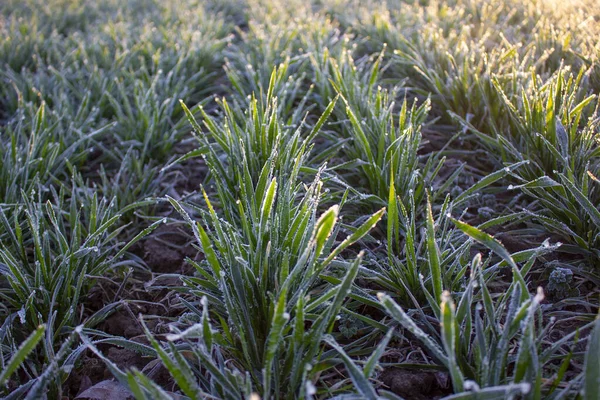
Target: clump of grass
<point>476,349</point>
<point>249,144</point>
<point>261,275</point>
<point>290,248</point>
<point>48,258</point>
<point>38,148</point>
<point>554,129</point>
<point>430,254</point>
<point>265,258</point>
<point>380,142</point>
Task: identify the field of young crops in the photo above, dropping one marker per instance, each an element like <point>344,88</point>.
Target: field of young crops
<point>296,199</point>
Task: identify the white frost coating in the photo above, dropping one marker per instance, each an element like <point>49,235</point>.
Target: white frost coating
<point>311,390</point>
<point>540,294</point>
<point>21,314</point>
<point>471,385</point>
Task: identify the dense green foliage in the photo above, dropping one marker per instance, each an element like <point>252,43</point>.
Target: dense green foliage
<point>300,199</point>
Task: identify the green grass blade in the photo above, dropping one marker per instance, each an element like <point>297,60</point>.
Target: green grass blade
<point>21,354</point>
<point>361,382</point>
<point>592,365</point>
